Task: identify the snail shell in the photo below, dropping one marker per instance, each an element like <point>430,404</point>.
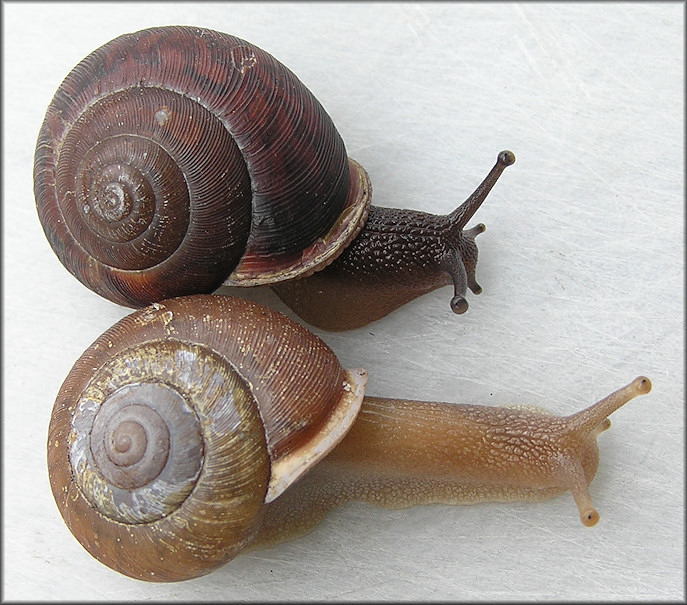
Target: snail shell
<point>174,157</point>
<point>181,421</point>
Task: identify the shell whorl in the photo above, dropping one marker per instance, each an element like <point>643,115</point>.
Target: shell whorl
<point>179,422</point>
<point>171,157</point>
<point>132,509</point>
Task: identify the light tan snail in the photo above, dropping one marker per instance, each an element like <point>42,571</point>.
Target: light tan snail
<point>205,425</point>
<point>175,159</point>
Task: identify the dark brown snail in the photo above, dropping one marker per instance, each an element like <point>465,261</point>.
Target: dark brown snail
<point>176,159</point>
<point>205,425</point>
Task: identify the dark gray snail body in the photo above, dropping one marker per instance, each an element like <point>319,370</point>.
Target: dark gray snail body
<point>206,425</point>
<point>176,159</point>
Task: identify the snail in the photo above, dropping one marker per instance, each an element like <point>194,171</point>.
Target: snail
<point>177,159</point>
<point>203,426</point>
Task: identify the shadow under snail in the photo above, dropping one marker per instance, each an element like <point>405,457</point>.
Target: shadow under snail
<point>202,426</point>
<point>176,159</point>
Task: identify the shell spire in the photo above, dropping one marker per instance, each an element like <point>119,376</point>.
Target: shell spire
<point>181,421</point>
<point>173,157</point>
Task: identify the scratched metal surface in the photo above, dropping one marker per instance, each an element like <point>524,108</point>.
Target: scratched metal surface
<point>582,268</point>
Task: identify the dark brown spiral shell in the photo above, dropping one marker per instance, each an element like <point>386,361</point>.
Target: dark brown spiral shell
<point>178,423</point>
<point>169,156</point>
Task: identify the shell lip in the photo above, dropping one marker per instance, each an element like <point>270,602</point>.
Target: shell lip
<point>289,468</point>
<point>252,270</point>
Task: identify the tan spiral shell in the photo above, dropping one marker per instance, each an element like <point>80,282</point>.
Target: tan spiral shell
<point>180,421</point>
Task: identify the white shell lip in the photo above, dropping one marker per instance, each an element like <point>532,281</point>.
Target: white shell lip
<point>321,252</point>
<point>295,464</point>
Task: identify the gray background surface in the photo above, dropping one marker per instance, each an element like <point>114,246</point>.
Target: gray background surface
<point>582,269</point>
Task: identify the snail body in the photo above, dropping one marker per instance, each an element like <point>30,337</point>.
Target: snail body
<point>176,159</point>
<point>201,426</point>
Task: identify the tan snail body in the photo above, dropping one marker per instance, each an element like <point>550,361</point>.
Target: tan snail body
<point>175,159</point>
<point>201,426</point>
